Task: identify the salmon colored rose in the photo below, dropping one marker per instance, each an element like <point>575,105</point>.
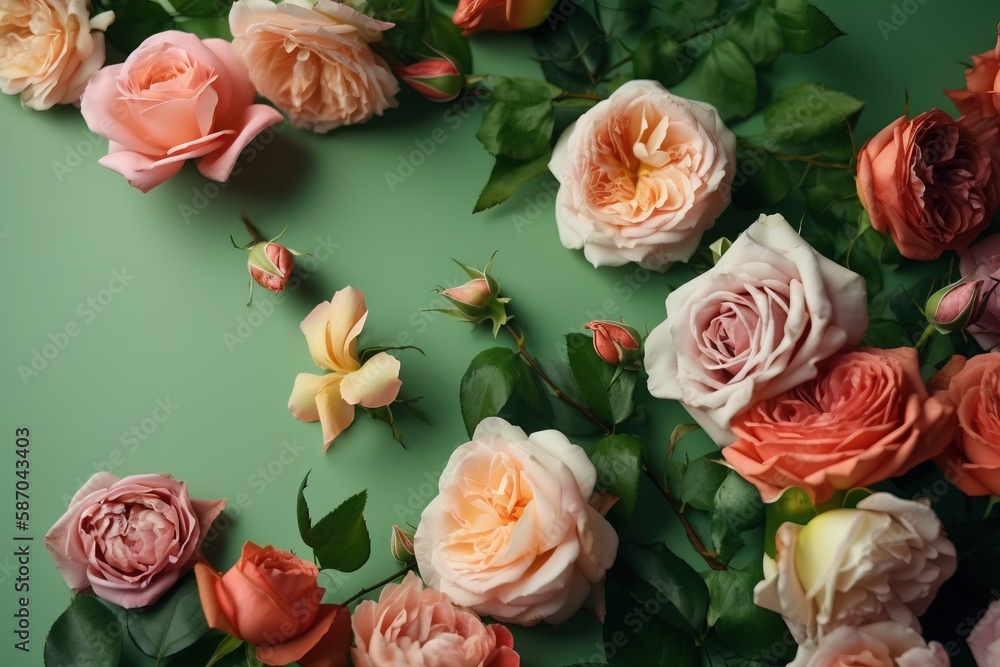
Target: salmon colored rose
<point>982,262</point>
<point>982,85</point>
<point>929,182</point>
<point>984,640</point>
<point>972,461</point>
<point>175,98</point>
<point>331,331</point>
<point>49,49</point>
<point>511,534</point>
<point>270,599</point>
<point>642,176</point>
<point>412,625</point>
<point>883,644</point>
<point>865,418</point>
<point>314,62</point>
<point>473,16</point>
<point>130,539</point>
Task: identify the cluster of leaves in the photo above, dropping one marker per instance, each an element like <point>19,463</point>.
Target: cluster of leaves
<point>135,20</point>
<point>423,29</point>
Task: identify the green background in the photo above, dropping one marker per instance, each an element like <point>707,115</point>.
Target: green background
<point>180,331</point>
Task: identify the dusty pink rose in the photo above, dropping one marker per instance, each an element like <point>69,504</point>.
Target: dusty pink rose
<point>883,561</point>
<point>982,261</point>
<point>314,62</point>
<point>511,534</point>
<point>332,331</point>
<point>984,640</point>
<point>130,539</point>
<point>412,625</point>
<point>472,16</point>
<point>865,418</point>
<point>642,176</point>
<point>885,644</point>
<point>753,326</point>
<point>175,98</point>
<point>273,274</point>
<point>982,85</point>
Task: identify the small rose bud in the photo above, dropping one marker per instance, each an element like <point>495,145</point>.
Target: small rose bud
<point>402,545</point>
<point>270,265</point>
<point>477,300</point>
<point>474,293</point>
<point>437,79</point>
<point>617,343</point>
<point>956,306</point>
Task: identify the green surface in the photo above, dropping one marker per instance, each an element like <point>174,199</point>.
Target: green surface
<point>179,334</point>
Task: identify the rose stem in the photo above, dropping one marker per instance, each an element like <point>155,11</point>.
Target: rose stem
<point>797,158</point>
<point>710,556</point>
<point>924,337</point>
<point>387,580</point>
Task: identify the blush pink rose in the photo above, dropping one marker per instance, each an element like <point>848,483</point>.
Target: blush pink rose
<point>49,49</point>
<point>473,16</point>
<point>511,534</point>
<point>883,644</point>
<point>412,625</point>
<point>982,85</point>
<point>642,176</point>
<point>315,63</point>
<point>982,262</point>
<point>984,640</point>
<point>753,326</point>
<point>130,539</point>
<point>175,98</point>
<point>865,418</point>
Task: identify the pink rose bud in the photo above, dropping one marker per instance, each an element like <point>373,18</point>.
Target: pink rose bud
<point>473,293</point>
<point>402,545</point>
<point>437,79</point>
<point>272,274</point>
<point>617,343</point>
<point>477,300</point>
<point>956,306</point>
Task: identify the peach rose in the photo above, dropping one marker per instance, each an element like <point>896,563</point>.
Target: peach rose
<point>883,644</point>
<point>314,62</point>
<point>331,331</point>
<point>412,625</point>
<point>270,599</point>
<point>511,534</point>
<point>865,418</point>
<point>972,461</point>
<point>929,182</point>
<point>982,262</point>
<point>982,85</point>
<point>473,16</point>
<point>753,326</point>
<point>984,640</point>
<point>130,539</point>
<point>49,49</point>
<point>175,98</point>
<point>883,561</point>
<point>642,175</point>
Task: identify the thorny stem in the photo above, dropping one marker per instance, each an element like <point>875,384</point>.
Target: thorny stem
<point>710,556</point>
<point>566,95</point>
<point>794,157</point>
<point>389,579</point>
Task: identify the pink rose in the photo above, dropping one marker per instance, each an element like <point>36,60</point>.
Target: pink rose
<point>982,83</point>
<point>130,539</point>
<point>50,49</point>
<point>314,62</point>
<point>984,640</point>
<point>412,625</point>
<point>982,261</point>
<point>865,418</point>
<point>753,326</point>
<point>473,16</point>
<point>642,176</point>
<point>175,98</point>
<point>511,534</point>
<point>883,644</point>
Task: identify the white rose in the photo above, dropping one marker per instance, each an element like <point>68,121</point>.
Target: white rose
<point>642,175</point>
<point>984,640</point>
<point>885,644</point>
<point>753,326</point>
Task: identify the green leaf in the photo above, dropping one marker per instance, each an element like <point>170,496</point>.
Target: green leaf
<point>737,508</point>
<point>792,505</point>
<point>442,34</point>
<point>592,375</point>
<point>653,573</point>
<point>618,460</point>
<point>761,179</point>
<point>199,8</point>
<point>135,20</point>
<point>171,624</point>
<point>575,53</point>
<point>804,27</point>
<point>487,385</point>
<point>508,175</point>
<point>621,392</point>
<point>534,394</point>
<point>727,79</point>
<point>342,536</point>
<point>745,628</point>
<point>756,31</point>
<point>701,481</point>
<point>886,333</point>
<point>864,263</point>
<point>618,16</point>
<point>809,110</point>
<point>635,637</point>
<point>660,57</point>
<point>207,27</point>
<point>302,513</point>
<point>518,120</point>
<point>85,635</point>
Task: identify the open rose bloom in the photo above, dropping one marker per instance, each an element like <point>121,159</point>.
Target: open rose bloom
<point>982,85</point>
<point>885,644</point>
<point>984,640</point>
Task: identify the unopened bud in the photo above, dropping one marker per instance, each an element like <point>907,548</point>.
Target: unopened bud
<point>402,545</point>
<point>617,343</point>
<point>437,79</point>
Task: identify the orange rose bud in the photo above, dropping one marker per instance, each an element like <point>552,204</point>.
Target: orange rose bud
<point>500,15</point>
<point>437,79</point>
<point>617,343</point>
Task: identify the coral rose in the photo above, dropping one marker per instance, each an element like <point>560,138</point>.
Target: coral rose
<point>49,49</point>
<point>982,262</point>
<point>473,16</point>
<point>314,62</point>
<point>511,534</point>
<point>984,640</point>
<point>972,462</point>
<point>753,326</point>
<point>130,539</point>
<point>866,417</point>
<point>982,85</point>
<point>270,599</point>
<point>883,644</point>
<point>929,182</point>
<point>413,625</point>
<point>883,561</point>
<point>642,175</point>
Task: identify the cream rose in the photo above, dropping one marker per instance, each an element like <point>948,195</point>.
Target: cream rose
<point>511,534</point>
<point>314,62</point>
<point>984,640</point>
<point>49,49</point>
<point>642,175</point>
<point>753,326</point>
<point>883,644</point>
<point>883,561</point>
